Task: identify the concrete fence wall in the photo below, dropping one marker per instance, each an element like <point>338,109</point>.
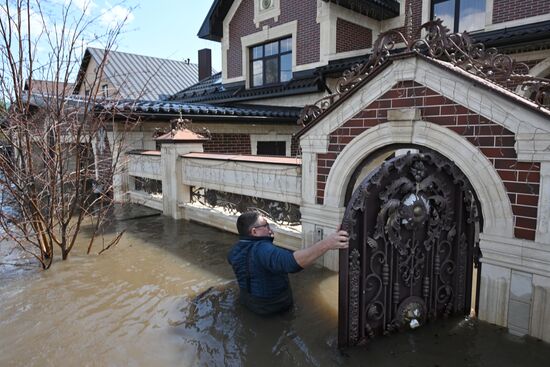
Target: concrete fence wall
<point>147,165</point>
<point>274,179</point>
<point>181,167</point>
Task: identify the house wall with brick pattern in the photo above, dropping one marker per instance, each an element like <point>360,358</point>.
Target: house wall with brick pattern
<point>520,179</point>
<point>228,143</point>
<point>351,37</point>
<point>239,144</point>
<point>507,10</point>
<point>242,24</point>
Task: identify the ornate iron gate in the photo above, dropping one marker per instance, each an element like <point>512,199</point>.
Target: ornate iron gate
<point>413,226</point>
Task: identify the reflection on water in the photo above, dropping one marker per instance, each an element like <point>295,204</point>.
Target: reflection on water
<point>165,296</point>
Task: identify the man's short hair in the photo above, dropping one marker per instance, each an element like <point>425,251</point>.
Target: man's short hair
<point>246,221</point>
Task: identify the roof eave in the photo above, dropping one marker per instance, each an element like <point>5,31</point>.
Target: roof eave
<point>148,116</point>
<point>212,26</point>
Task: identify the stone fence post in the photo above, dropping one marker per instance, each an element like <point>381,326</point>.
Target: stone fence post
<point>173,145</point>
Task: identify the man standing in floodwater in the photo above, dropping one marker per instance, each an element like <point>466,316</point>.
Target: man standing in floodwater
<point>262,268</point>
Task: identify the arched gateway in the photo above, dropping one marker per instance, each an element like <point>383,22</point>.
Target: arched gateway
<point>414,224</point>
<point>413,249</point>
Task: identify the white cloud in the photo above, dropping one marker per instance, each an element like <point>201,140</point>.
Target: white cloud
<point>115,16</point>
<point>85,5</point>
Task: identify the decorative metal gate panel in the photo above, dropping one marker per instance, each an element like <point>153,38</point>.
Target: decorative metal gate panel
<point>413,226</point>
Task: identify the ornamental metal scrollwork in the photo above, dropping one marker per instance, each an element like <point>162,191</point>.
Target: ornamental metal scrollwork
<point>414,223</point>
<point>277,211</point>
<point>438,44</point>
<point>355,273</point>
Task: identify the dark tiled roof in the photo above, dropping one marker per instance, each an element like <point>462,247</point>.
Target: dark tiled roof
<point>212,90</point>
<point>204,110</point>
<point>507,37</point>
<point>341,65</point>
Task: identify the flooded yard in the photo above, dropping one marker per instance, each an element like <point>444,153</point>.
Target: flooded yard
<point>165,296</point>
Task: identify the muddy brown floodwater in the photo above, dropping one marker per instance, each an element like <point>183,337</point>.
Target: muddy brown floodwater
<point>165,296</point>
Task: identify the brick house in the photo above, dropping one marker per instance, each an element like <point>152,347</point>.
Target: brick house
<point>275,55</point>
<point>366,107</point>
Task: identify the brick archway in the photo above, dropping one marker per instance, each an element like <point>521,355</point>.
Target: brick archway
<point>495,205</point>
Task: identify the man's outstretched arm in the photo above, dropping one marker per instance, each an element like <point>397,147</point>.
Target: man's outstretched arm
<point>336,241</point>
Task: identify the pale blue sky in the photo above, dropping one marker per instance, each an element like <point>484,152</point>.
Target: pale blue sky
<point>167,29</point>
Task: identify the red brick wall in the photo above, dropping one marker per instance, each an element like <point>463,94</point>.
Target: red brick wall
<point>506,10</point>
<point>228,143</point>
<point>239,144</point>
<point>495,142</point>
<point>242,24</point>
<point>350,36</point>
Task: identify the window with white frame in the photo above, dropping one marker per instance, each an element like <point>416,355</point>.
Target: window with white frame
<point>271,63</point>
<point>460,15</point>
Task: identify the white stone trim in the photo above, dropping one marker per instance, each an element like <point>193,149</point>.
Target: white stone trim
<point>533,147</point>
<point>325,219</point>
<point>542,69</point>
<point>395,22</point>
<point>314,144</point>
<point>309,181</point>
<point>489,8</point>
<point>343,55</point>
<point>289,29</point>
<point>324,215</point>
<point>531,55</point>
<point>273,13</point>
<point>145,199</point>
<point>426,12</point>
<point>497,211</point>
<point>540,321</point>
<point>517,254</point>
<point>328,14</point>
<point>468,93</point>
<point>264,180</point>
<point>494,294</point>
<point>233,80</point>
<point>225,40</point>
<point>255,138</point>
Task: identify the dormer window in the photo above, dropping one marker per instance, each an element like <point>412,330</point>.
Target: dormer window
<point>271,63</point>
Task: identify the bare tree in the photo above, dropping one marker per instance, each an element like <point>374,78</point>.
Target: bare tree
<point>58,178</point>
